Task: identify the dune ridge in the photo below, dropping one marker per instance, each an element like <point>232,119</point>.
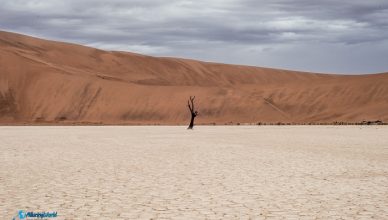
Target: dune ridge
<point>44,81</point>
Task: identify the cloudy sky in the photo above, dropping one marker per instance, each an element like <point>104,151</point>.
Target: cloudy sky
<point>347,36</point>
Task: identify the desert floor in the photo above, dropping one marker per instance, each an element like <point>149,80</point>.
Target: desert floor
<point>236,172</point>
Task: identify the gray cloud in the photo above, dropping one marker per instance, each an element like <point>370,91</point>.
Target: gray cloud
<point>346,36</point>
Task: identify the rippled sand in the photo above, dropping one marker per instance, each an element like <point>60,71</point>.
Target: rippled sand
<point>291,172</point>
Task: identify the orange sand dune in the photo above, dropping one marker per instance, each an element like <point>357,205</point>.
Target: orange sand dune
<point>46,81</point>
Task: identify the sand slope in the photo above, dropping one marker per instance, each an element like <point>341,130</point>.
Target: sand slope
<point>48,81</point>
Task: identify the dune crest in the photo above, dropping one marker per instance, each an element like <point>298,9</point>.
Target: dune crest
<point>45,81</point>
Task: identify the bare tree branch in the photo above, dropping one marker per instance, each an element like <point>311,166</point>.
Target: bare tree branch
<point>192,102</point>
<point>188,105</point>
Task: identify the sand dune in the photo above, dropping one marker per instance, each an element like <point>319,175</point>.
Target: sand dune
<point>46,81</point>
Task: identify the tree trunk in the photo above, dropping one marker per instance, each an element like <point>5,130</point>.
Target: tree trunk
<point>191,122</point>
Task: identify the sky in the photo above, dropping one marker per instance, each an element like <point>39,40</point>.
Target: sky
<point>328,36</point>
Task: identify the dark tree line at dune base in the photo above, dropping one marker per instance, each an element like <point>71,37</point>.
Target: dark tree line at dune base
<point>378,122</point>
<point>194,113</point>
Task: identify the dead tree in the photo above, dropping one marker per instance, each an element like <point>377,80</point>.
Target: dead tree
<point>194,113</point>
